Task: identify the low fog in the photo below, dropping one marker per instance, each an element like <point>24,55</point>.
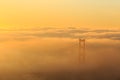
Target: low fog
<point>57,59</point>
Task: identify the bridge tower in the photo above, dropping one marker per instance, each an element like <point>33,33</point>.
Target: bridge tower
<point>82,53</point>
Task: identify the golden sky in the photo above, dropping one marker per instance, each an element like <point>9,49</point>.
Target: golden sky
<point>60,13</point>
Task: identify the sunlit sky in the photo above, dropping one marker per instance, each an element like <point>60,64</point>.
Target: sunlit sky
<point>60,13</point>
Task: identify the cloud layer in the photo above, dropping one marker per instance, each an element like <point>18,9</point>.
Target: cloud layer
<point>70,32</point>
<point>25,53</point>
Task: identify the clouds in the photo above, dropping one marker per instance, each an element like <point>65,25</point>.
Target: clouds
<point>48,55</point>
<point>70,32</point>
<point>32,51</point>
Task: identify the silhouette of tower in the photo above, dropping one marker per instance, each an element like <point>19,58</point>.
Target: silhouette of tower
<point>82,54</point>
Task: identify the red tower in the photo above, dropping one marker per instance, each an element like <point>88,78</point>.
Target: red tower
<point>82,53</point>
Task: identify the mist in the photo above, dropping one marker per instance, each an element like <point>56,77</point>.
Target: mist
<point>57,59</point>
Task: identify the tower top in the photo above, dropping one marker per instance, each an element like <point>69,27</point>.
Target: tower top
<point>81,39</point>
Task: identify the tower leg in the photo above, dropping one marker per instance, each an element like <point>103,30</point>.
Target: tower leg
<point>82,55</point>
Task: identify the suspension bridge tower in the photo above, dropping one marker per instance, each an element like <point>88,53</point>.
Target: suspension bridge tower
<point>82,52</point>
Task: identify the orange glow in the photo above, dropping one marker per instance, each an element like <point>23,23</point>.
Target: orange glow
<point>62,13</point>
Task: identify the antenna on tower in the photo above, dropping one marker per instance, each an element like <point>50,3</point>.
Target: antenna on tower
<point>82,48</point>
